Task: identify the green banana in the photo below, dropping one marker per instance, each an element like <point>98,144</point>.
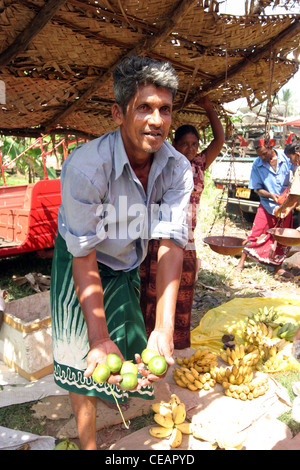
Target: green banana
<point>287,331</point>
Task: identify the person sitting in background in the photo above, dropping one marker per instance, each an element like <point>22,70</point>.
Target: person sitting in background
<point>270,177</point>
<point>186,141</point>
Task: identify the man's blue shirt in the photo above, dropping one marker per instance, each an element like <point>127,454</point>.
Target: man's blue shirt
<point>263,176</point>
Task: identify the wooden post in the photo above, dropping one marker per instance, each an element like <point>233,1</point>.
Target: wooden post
<point>43,157</point>
<point>31,30</point>
<point>2,170</point>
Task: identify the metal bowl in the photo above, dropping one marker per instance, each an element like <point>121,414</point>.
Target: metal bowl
<point>286,236</point>
<point>226,245</point>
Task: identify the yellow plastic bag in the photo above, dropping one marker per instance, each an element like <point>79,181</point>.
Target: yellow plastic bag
<point>231,318</point>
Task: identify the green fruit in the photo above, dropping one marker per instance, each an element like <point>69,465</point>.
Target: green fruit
<point>288,331</point>
<point>158,365</point>
<point>129,381</point>
<point>66,445</point>
<point>101,373</point>
<point>114,362</point>
<point>147,355</point>
<point>129,366</point>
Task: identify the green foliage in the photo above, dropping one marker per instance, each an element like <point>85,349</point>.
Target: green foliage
<point>286,379</point>
<point>31,163</point>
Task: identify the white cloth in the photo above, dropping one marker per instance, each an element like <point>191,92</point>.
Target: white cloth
<point>13,440</point>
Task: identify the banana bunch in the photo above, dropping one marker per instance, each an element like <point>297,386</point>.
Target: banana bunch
<point>193,380</point>
<point>247,391</point>
<point>258,332</point>
<point>276,361</point>
<point>268,353</point>
<point>288,331</point>
<point>170,416</point>
<point>240,355</point>
<point>235,375</point>
<point>194,371</point>
<point>202,360</point>
<point>267,316</point>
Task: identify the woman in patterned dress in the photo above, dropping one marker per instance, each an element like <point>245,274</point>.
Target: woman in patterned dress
<point>186,141</point>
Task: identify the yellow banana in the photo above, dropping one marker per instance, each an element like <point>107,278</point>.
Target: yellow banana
<point>192,387</point>
<point>160,432</point>
<point>184,380</point>
<point>240,380</point>
<point>174,399</point>
<point>232,379</point>
<point>198,384</point>
<point>179,413</point>
<point>270,332</point>
<point>161,409</point>
<point>223,355</point>
<point>179,360</point>
<point>185,428</point>
<point>198,354</point>
<point>164,421</point>
<point>233,355</point>
<point>194,372</point>
<point>189,376</point>
<point>178,372</point>
<point>180,383</point>
<point>176,438</point>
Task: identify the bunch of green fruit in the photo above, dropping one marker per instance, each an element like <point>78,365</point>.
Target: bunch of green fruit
<point>66,444</point>
<point>114,365</point>
<point>127,369</point>
<point>288,331</point>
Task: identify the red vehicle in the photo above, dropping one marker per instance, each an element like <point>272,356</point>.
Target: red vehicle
<point>28,212</point>
<point>28,216</point>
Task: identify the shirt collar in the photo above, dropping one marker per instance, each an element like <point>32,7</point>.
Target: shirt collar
<point>280,159</point>
<point>160,159</point>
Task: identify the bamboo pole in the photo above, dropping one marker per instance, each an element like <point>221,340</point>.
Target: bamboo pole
<point>36,25</point>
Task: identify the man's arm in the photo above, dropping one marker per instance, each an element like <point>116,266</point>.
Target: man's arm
<point>266,194</point>
<point>169,268</point>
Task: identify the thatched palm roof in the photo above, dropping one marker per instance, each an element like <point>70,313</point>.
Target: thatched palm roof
<point>57,58</point>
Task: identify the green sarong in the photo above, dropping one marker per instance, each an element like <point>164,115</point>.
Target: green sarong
<point>69,330</point>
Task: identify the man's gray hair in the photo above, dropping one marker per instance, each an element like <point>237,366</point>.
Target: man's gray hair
<point>138,70</point>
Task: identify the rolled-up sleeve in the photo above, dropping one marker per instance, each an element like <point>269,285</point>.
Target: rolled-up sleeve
<point>82,213</point>
<point>169,219</point>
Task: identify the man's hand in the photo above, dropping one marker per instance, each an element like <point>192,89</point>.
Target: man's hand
<point>161,340</point>
<point>275,198</point>
<point>279,213</point>
<point>97,355</point>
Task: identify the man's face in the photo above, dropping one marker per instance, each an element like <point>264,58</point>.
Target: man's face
<point>265,153</point>
<point>146,123</point>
